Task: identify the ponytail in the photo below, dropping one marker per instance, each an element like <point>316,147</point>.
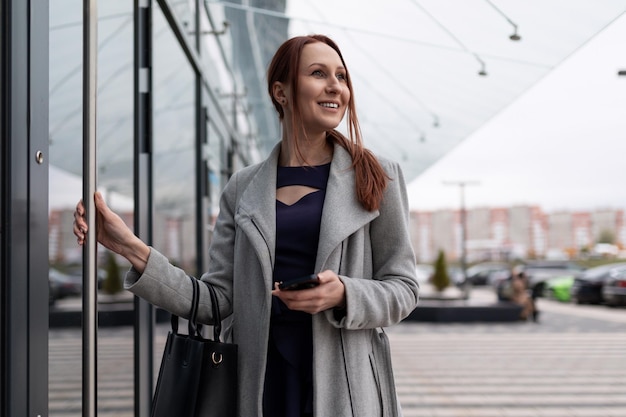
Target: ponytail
<point>371,178</point>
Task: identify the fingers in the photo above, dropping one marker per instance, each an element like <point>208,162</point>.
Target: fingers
<point>79,227</point>
<point>79,232</point>
<point>327,276</point>
<point>79,221</point>
<point>330,293</point>
<point>80,208</point>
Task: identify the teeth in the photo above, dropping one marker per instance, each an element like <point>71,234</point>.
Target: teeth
<point>330,105</point>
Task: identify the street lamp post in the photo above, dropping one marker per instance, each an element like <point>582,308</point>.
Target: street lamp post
<point>462,185</point>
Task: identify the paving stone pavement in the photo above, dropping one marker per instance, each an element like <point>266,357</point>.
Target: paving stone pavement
<point>572,363</point>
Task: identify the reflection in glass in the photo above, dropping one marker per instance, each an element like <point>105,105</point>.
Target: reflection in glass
<point>174,146</point>
<point>115,164</point>
<point>174,182</point>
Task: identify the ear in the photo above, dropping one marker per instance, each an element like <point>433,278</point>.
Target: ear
<point>279,92</point>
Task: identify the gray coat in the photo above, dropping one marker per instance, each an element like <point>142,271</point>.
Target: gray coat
<point>370,251</point>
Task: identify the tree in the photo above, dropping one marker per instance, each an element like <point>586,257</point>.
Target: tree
<point>113,281</point>
<point>606,236</point>
<point>441,280</point>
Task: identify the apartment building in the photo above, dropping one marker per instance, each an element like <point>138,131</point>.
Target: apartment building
<point>513,232</point>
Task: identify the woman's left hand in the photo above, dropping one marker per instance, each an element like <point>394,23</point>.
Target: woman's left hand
<point>331,293</point>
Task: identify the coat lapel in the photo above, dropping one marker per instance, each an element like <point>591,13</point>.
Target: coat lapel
<point>256,214</point>
<point>343,214</point>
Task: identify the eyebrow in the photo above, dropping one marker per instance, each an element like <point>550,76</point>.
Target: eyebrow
<point>341,67</point>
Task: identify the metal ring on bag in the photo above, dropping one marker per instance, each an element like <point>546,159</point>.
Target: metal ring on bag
<point>216,361</point>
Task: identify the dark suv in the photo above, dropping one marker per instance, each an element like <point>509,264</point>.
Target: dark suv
<point>483,273</point>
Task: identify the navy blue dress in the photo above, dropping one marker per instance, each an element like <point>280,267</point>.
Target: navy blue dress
<point>289,376</point>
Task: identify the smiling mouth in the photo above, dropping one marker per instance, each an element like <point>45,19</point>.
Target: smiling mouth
<point>330,105</point>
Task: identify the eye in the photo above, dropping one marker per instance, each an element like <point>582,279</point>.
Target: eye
<point>342,76</point>
<point>317,73</point>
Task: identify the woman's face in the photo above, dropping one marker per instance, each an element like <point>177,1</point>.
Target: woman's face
<point>323,93</point>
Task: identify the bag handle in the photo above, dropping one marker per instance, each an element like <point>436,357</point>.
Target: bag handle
<point>193,312</point>
<point>217,319</point>
<point>192,326</point>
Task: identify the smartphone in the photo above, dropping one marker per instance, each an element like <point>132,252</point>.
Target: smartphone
<point>300,283</point>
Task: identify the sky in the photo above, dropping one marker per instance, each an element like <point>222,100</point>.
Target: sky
<point>561,145</point>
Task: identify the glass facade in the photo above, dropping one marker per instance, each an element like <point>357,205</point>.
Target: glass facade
<point>174,148</point>
<point>208,116</point>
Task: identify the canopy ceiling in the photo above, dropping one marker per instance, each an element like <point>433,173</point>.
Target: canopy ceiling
<point>415,63</point>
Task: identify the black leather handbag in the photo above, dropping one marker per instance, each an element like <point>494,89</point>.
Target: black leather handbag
<point>198,376</point>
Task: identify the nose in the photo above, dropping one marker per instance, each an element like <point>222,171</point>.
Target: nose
<point>334,85</point>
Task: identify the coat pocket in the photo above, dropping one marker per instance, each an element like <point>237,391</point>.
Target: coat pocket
<point>380,360</point>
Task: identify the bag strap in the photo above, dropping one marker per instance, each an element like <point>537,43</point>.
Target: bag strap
<point>193,312</point>
<point>217,319</point>
<point>192,326</point>
<point>174,321</point>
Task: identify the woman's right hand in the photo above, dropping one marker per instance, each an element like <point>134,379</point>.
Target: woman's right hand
<point>111,232</point>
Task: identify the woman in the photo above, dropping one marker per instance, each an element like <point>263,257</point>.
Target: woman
<point>320,204</point>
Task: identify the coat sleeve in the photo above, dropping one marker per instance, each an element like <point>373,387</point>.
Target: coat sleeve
<point>169,287</point>
<point>392,293</point>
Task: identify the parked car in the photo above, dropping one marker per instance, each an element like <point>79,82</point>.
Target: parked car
<point>502,282</point>
<point>587,288</point>
<point>424,272</point>
<point>538,272</point>
<point>76,271</point>
<point>483,273</point>
<point>53,292</point>
<point>64,285</point>
<point>559,288</point>
<point>614,288</point>
<point>503,286</point>
<point>457,277</point>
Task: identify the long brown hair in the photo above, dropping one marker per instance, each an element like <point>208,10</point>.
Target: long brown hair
<point>371,178</point>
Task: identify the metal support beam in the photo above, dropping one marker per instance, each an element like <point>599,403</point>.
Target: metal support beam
<point>200,154</point>
<point>194,60</point>
<point>24,215</point>
<point>144,311</point>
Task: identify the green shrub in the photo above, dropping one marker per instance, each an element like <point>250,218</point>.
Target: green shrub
<point>440,279</point>
<point>113,281</point>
